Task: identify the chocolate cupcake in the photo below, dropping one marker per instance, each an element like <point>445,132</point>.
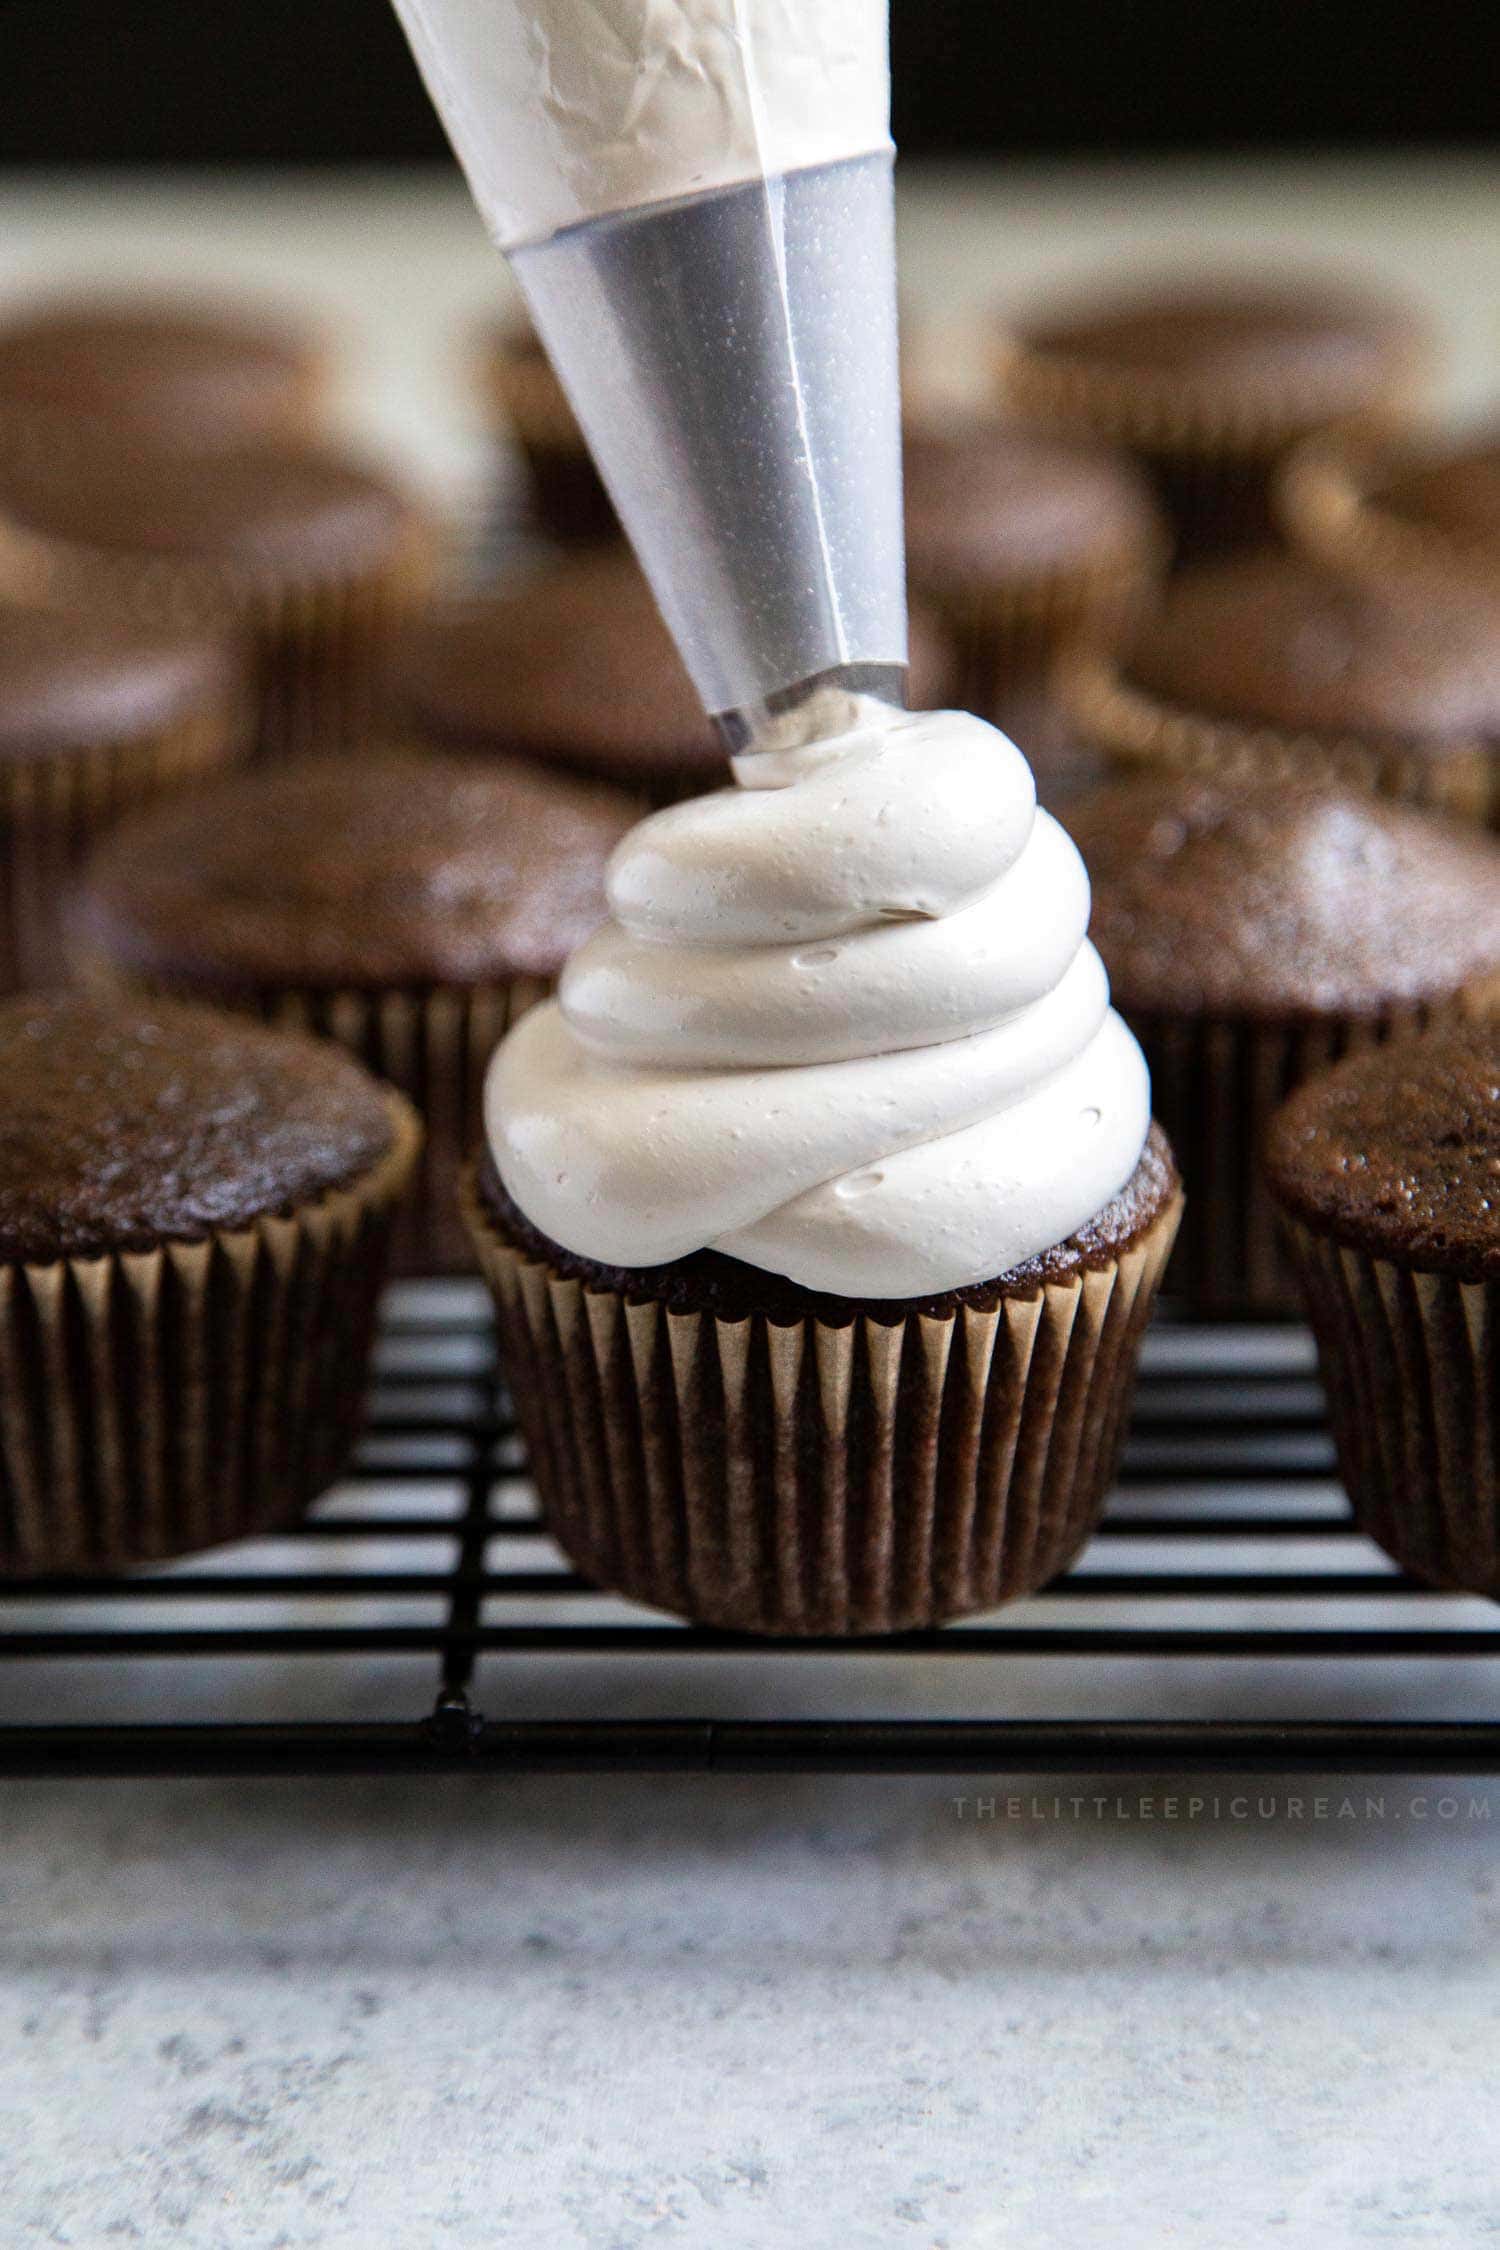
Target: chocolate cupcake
<point>573,667</point>
<point>1063,760</point>
<point>825,1212</point>
<point>97,717</point>
<point>776,1460</point>
<point>1024,545</point>
<point>1211,383</point>
<point>1271,668</point>
<point>1429,509</point>
<point>529,407</point>
<point>408,906</point>
<point>183,374</point>
<point>1252,935</point>
<point>1385,1171</point>
<point>309,560</point>
<point>193,1221</point>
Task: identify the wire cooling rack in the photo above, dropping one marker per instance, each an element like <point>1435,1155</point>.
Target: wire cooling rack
<point>1226,1618</point>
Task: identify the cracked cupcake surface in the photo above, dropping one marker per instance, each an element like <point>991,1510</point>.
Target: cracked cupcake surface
<point>844,1025</point>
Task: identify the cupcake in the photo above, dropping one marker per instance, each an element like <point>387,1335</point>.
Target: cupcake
<point>1023,545</point>
<point>309,560</point>
<point>1062,760</point>
<point>193,1222</point>
<point>1384,1171</point>
<point>529,408</point>
<point>1430,508</point>
<point>96,717</point>
<point>823,1209</point>
<point>410,907</point>
<point>573,667</point>
<point>1265,667</point>
<point>183,374</point>
<point>1252,934</point>
<point>1211,383</point>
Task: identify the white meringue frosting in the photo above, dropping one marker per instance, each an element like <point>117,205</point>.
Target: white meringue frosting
<point>845,1025</point>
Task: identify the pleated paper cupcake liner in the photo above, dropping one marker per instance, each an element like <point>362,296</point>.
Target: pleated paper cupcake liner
<point>1412,1378</point>
<point>54,808</point>
<point>433,1044</point>
<point>1216,1083</point>
<point>314,648</point>
<point>1213,457</point>
<point>1006,637</point>
<point>861,1478</point>
<point>1139,734</point>
<point>162,1401</point>
<point>318,652</point>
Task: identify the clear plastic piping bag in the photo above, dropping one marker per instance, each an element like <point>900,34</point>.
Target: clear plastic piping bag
<point>730,350</point>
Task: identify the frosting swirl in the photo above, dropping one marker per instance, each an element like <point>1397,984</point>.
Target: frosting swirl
<point>844,1024</point>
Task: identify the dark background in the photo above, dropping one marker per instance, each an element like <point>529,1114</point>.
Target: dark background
<point>330,81</point>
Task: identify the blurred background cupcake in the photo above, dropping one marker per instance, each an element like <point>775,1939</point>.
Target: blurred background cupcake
<point>1430,507</point>
<point>182,371</point>
<point>1023,545</point>
<point>97,717</point>
<point>307,558</point>
<point>1253,934</point>
<point>528,408</point>
<point>1210,381</point>
<point>572,667</point>
<point>1270,667</point>
<point>409,906</point>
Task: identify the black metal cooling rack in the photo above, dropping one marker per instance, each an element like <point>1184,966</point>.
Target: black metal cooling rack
<point>405,1626</point>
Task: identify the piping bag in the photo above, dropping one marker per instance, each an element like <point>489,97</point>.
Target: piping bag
<point>696,198</point>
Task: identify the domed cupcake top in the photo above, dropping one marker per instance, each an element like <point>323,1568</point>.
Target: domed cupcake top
<point>996,498</point>
<point>1456,491</point>
<point>574,665</point>
<point>1284,338</point>
<point>285,510</point>
<point>1288,903</point>
<point>70,681</point>
<point>1272,641</point>
<point>185,371</point>
<point>123,1127</point>
<point>390,868</point>
<point>1397,1152</point>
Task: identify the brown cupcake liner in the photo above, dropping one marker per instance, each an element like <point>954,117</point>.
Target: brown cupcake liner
<point>318,653</point>
<point>1138,733</point>
<point>1216,1083</point>
<point>432,1043</point>
<point>1164,413</point>
<point>54,808</point>
<point>1327,504</point>
<point>1212,456</point>
<point>814,1478</point>
<point>314,649</point>
<point>1409,1363</point>
<point>1005,637</point>
<point>162,1401</point>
